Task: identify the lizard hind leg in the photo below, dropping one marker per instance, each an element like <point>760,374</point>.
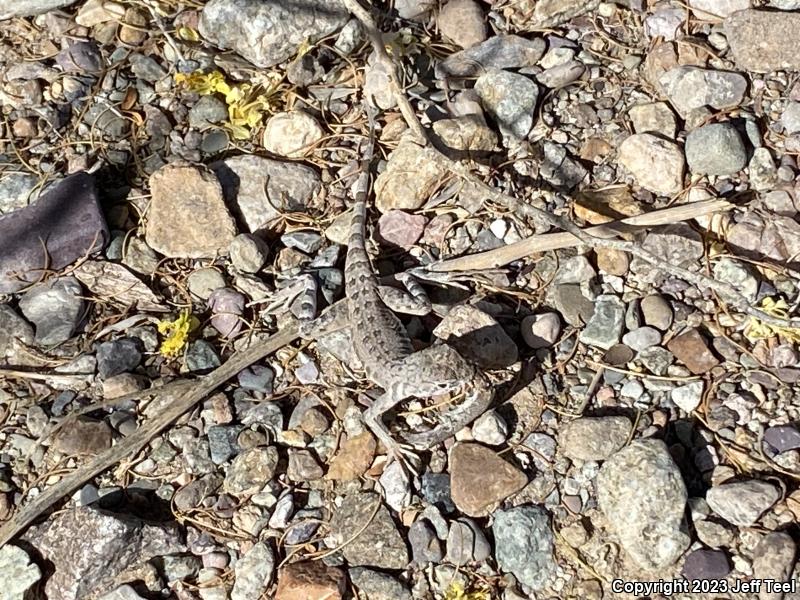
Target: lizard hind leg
<point>373,417</point>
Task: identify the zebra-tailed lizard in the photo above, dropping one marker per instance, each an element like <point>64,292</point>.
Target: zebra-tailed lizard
<point>384,348</point>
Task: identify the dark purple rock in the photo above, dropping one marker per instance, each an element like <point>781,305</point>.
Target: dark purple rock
<point>782,438</point>
<point>67,221</point>
<point>80,57</point>
<point>706,564</point>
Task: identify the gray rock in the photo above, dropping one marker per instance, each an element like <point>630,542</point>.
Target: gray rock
<point>763,40</point>
<point>742,502</point>
<point>665,22</point>
<point>425,546</point>
<point>490,428</point>
<point>782,438</point>
<point>593,438</point>
<point>632,389</point>
<point>774,558</point>
<point>207,111</point>
<point>466,543</point>
<point>28,8</point>
<point>641,338</point>
<point>249,472</point>
<point>718,8</point>
<point>118,356</point>
<point>739,275</point>
<point>258,378</point>
<point>715,149</point>
<point>498,52</point>
<point>83,570</point>
<point>463,21</point>
<point>642,494</point>
<point>762,170</point>
<point>654,117</point>
<point>559,169</point>
<point>790,119</point>
<point>201,357</point>
<point>67,219</point>
<point>271,32</point>
<point>80,57</point>
<point>478,337</point>
<point>15,333</point>
<point>676,244</point>
<point>692,88</point>
<point>524,544</point>
<point>248,252</point>
<point>541,331</point>
<point>260,189</point>
<point>305,241</point>
<point>689,396</point>
<point>374,540</point>
<point>561,75</point>
<point>222,442</point>
<point>123,592</point>
<point>640,151</point>
<point>19,573</point>
<point>375,585</point>
<point>706,564</point>
<point>510,99</point>
<point>605,327</point>
<point>146,68</point>
<point>55,308</point>
<point>106,122</point>
<point>17,191</point>
<point>656,312</point>
<point>254,572</point>
<point>574,307</point>
<point>435,490</point>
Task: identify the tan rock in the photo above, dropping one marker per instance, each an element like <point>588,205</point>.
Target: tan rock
<point>95,12</point>
<point>463,22</point>
<point>134,28</point>
<point>292,134</point>
<point>188,217</point>
<point>83,436</point>
<point>411,176</point>
<point>656,164</point>
<point>466,133</point>
<point>764,41</point>
<point>353,459</point>
<point>480,479</point>
<point>691,349</point>
<point>612,261</point>
<point>310,580</point>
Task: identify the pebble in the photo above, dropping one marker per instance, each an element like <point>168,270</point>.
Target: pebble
<point>542,330</point>
<point>743,502</point>
<point>715,149</point>
<point>707,565</point>
<point>774,558</point>
<point>435,490</point>
<point>146,67</point>
<point>28,8</point>
<point>207,111</point>
<point>653,117</point>
<point>20,573</point>
<point>762,40</point>
<point>641,152</point>
<point>739,275</point>
<point>782,438</point>
<point>55,308</point>
<point>15,332</point>
<point>253,572</point>
<point>425,546</point>
<point>677,244</point>
<point>259,189</point>
<point>510,99</point>
<point>248,252</point>
<point>777,237</point>
<point>576,269</point>
<point>118,356</point>
<point>790,119</point>
<point>373,538</point>
<point>353,459</point>
<point>632,389</point>
<point>559,169</point>
<point>471,463</point>
<point>202,282</point>
<point>123,592</point>
<point>466,132</point>
<point>411,176</point>
<point>498,52</point>
<point>561,75</point>
<point>692,88</point>
<point>292,134</point>
<point>80,57</point>
<point>641,338</point>
<point>378,586</point>
<point>188,217</point>
<point>466,543</point>
<point>250,471</point>
<point>524,544</point>
<point>605,327</point>
<point>478,337</point>
<point>267,34</point>
<point>593,438</point>
<point>490,429</point>
<point>310,579</point>
<point>641,492</point>
<point>656,312</point>
<point>692,350</point>
<point>401,229</point>
<point>227,307</point>
<point>762,170</point>
<point>688,397</point>
<point>718,8</point>
<point>396,486</point>
<point>463,22</point>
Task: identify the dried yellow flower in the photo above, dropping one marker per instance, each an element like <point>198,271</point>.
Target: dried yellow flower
<point>177,333</point>
<point>456,591</point>
<point>758,330</point>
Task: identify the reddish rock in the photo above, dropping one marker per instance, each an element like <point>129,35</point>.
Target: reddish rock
<point>310,580</point>
<point>480,479</point>
<point>691,349</point>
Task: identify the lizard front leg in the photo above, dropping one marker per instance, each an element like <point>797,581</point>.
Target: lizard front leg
<point>413,301</point>
<point>373,417</point>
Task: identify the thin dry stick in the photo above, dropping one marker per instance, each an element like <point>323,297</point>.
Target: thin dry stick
<point>726,291</point>
<point>138,440</point>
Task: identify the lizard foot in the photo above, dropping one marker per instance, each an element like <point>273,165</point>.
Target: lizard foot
<point>405,456</point>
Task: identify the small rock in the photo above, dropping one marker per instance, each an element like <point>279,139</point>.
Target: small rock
<point>612,261</point>
<point>207,111</point>
<point>654,117</point>
<point>715,9</point>
<point>411,176</point>
<point>425,546</point>
<point>677,244</point>
<point>80,57</point>
<point>308,580</point>
<point>399,228</point>
<point>303,466</point>
<point>267,34</point>
<point>561,75</point>
<point>466,543</point>
<point>524,544</point>
<point>498,52</point>
<point>396,486</point>
<point>510,99</point>
<point>28,8</point>
<point>188,217</point>
<point>134,22</point>
<point>118,356</point>
<point>790,119</point>
<point>227,307</point>
<point>689,396</point>
<point>641,338</point>
<point>353,459</point>
<point>292,134</point>
<point>656,164</point>
<point>466,133</point>
<point>204,281</point>
<point>743,502</point>
<point>250,471</point>
<point>575,308</point>
<point>55,308</point>
<point>378,586</point>
<point>782,438</point>
<point>19,572</point>
<point>305,241</point>
<point>665,22</point>
<point>478,337</point>
<point>490,428</point>
<point>762,170</point>
<point>146,68</point>
<point>707,565</point>
<point>470,463</point>
<point>641,492</point>
<point>715,149</point>
<point>738,275</point>
<point>691,349</point>
<point>463,22</point>
<point>542,330</point>
<point>248,252</point>
<point>593,438</point>
<point>777,237</point>
<point>253,572</point>
<point>605,327</point>
<point>15,333</point>
<point>774,558</point>
<point>559,169</point>
<point>692,88</point>
<point>763,41</point>
<point>656,312</point>
<point>123,592</point>
<point>373,539</point>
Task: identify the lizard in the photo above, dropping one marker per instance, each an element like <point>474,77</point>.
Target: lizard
<point>383,346</point>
